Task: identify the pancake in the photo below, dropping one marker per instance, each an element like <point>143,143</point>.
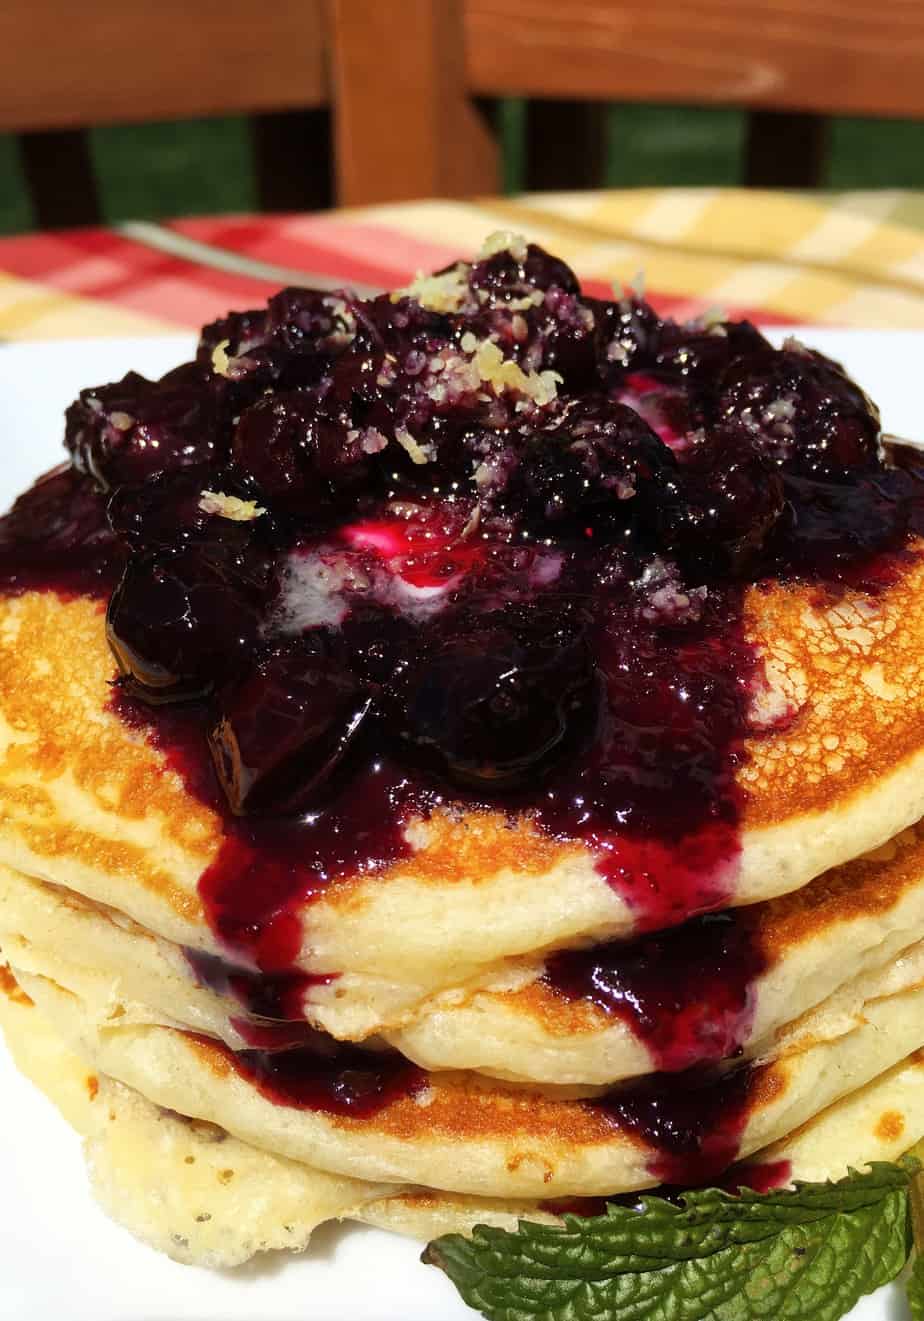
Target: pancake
<point>463,1134</point>
<point>89,803</point>
<point>212,1200</point>
<point>705,992</point>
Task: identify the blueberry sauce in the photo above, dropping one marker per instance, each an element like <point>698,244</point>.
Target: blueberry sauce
<point>687,992</point>
<point>327,1075</point>
<point>267,866</point>
<point>758,1176</point>
<point>483,543</point>
<point>57,537</point>
<point>754,1176</point>
<point>692,1120</point>
<point>279,997</point>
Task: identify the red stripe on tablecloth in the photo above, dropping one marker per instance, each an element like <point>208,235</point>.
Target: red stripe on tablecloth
<point>109,267</point>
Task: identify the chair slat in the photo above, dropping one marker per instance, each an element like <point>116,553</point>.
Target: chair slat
<point>293,160</point>
<point>840,57</point>
<point>58,170</point>
<point>565,144</point>
<point>785,150</point>
<point>64,64</point>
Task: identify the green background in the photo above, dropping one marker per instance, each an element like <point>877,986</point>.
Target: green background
<point>202,166</point>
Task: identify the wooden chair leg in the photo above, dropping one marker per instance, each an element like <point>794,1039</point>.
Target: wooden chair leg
<point>60,182</point>
<point>785,150</point>
<point>293,159</point>
<point>565,144</point>
<point>405,124</point>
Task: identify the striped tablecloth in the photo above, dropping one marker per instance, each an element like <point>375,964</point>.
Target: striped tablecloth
<point>841,259</point>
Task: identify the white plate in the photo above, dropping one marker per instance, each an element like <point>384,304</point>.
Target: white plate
<point>60,1258</point>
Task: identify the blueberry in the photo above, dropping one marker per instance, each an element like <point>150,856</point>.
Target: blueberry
<point>301,458</point>
<point>505,276</point>
<point>722,503</point>
<point>179,620</point>
<point>270,444</point>
<point>304,320</point>
<point>59,517</point>
<point>802,410</point>
<point>126,431</point>
<point>627,333</point>
<point>593,470</point>
<point>284,729</point>
<point>239,333</point>
<point>697,354</point>
<point>491,710</point>
<point>167,509</point>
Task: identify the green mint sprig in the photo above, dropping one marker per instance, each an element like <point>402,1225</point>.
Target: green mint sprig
<point>915,1289</point>
<point>808,1254</point>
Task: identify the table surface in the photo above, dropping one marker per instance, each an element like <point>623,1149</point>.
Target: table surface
<point>843,259</point>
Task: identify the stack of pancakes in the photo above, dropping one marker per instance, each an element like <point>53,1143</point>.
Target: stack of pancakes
<point>525,1078</point>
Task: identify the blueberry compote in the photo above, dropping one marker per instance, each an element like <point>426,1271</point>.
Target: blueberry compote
<point>480,543</point>
<point>688,991</point>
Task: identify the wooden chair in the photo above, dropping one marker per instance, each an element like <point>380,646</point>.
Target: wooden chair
<point>66,66</point>
<point>420,71</point>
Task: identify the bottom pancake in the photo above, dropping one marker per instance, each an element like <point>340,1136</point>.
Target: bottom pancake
<point>465,1134</point>
<point>208,1199</point>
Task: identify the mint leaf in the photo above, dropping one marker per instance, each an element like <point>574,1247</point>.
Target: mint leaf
<point>915,1289</point>
<point>809,1254</point>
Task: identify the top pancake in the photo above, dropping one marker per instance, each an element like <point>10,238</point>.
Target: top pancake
<point>833,770</point>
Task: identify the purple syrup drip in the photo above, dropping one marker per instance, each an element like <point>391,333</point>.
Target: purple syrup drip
<point>332,1076</point>
<point>279,997</point>
<point>754,1176</point>
<point>267,868</point>
<point>687,992</point>
<point>693,1121</point>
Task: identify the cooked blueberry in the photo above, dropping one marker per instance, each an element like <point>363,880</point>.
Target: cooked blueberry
<point>298,456</point>
<point>306,320</point>
<point>126,431</point>
<point>238,333</point>
<point>515,272</point>
<point>722,503</point>
<point>57,534</point>
<point>284,729</point>
<point>699,353</point>
<point>378,642</point>
<point>60,514</point>
<point>627,334</point>
<point>171,509</point>
<point>270,444</point>
<point>594,469</point>
<point>803,411</point>
<point>491,710</point>
<point>179,621</point>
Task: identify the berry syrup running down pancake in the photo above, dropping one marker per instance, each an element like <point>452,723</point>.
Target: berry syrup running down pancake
<point>476,619</point>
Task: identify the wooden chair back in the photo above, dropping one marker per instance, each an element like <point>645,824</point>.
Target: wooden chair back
<point>417,68</point>
<point>66,66</point>
<point>414,82</point>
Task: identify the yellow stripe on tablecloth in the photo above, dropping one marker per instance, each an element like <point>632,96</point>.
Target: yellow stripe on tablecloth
<point>878,308</point>
<point>846,224</point>
<point>911,269</point>
<point>29,310</point>
<point>756,225</point>
<point>463,226</point>
<point>671,214</point>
